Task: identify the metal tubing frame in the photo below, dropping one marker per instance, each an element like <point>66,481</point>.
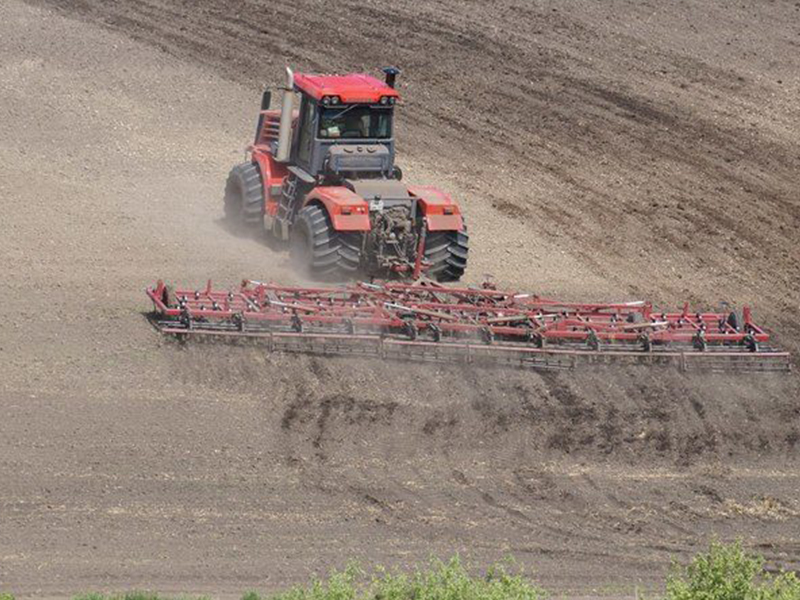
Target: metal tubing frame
<point>465,321</point>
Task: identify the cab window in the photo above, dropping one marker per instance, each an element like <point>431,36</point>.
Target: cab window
<point>355,122</point>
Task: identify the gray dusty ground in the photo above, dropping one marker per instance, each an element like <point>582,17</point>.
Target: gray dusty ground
<point>634,151</point>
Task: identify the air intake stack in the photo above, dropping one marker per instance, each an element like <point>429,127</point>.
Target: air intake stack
<point>285,131</point>
<point>391,75</point>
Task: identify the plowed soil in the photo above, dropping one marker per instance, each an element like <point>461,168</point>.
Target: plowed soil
<point>624,149</point>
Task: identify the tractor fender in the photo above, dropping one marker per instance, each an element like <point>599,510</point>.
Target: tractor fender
<point>438,208</point>
<point>272,175</point>
<point>347,210</point>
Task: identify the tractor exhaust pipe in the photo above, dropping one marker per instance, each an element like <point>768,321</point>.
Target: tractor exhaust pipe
<point>285,130</point>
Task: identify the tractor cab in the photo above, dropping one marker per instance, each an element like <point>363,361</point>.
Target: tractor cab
<point>343,126</point>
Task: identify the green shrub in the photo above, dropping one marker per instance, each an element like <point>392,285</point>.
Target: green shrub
<point>440,581</point>
<point>451,581</point>
<point>729,573</point>
<point>125,596</point>
<point>6,596</point>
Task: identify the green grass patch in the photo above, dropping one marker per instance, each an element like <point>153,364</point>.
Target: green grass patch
<point>439,581</point>
<point>135,596</point>
<point>729,573</point>
<point>725,572</point>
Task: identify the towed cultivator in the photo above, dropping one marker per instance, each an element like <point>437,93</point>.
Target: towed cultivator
<point>432,323</point>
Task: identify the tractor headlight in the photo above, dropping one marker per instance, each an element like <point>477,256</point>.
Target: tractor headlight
<point>335,99</point>
<point>384,99</point>
<point>392,100</point>
<point>326,100</point>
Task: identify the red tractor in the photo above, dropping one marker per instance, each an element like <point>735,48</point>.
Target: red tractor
<point>324,179</point>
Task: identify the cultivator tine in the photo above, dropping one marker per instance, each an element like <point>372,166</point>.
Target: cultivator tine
<point>430,322</point>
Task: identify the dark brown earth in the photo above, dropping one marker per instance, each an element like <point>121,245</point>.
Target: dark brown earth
<point>609,150</point>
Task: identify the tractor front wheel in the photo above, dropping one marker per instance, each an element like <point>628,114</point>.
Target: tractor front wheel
<point>244,196</point>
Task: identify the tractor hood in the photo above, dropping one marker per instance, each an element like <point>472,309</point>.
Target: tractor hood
<point>380,193</point>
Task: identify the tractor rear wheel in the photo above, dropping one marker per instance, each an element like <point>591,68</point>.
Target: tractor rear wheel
<point>318,251</point>
<point>244,196</point>
<point>447,253</point>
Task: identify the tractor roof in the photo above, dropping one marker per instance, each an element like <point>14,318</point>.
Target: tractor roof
<point>350,88</point>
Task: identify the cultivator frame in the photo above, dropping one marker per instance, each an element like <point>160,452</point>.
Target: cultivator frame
<point>433,323</point>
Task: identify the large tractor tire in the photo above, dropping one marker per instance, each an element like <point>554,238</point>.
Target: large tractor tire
<point>244,196</point>
<point>320,252</point>
<point>447,253</point>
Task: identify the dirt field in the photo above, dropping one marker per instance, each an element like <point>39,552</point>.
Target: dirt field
<point>621,149</point>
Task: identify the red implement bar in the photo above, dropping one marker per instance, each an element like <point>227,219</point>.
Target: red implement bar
<point>464,322</point>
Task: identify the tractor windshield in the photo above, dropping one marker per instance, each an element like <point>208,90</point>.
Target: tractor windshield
<point>358,121</point>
